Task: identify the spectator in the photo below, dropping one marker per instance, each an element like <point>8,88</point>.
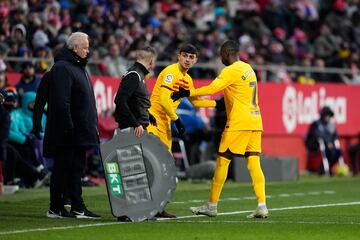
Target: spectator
<point>42,65</point>
<point>322,138</point>
<point>166,24</point>
<point>3,78</point>
<point>29,82</point>
<point>71,126</point>
<point>4,134</point>
<point>326,44</point>
<point>23,141</point>
<point>115,64</point>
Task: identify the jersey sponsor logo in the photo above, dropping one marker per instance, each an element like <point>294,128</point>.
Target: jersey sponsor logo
<point>168,79</point>
<point>247,74</point>
<point>298,109</point>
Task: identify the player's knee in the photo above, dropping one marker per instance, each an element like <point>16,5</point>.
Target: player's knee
<point>228,154</point>
<point>253,162</point>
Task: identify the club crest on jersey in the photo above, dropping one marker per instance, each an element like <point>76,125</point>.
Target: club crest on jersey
<point>168,79</point>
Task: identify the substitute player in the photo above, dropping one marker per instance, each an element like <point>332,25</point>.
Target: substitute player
<point>162,106</point>
<point>242,133</point>
<point>169,81</point>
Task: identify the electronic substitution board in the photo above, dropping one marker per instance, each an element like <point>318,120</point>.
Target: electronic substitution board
<point>140,175</point>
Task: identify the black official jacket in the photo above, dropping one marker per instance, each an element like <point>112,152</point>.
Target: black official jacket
<point>71,103</point>
<point>132,98</point>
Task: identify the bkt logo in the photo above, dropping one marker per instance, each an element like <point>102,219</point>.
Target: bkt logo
<point>298,109</point>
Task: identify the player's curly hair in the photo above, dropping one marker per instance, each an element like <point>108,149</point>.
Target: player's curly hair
<point>231,47</point>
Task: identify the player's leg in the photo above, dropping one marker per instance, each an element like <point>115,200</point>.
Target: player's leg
<point>227,149</point>
<point>165,137</point>
<point>163,134</point>
<point>252,156</point>
<point>220,175</point>
<point>222,165</point>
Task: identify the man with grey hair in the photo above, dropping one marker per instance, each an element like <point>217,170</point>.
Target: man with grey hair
<point>71,127</point>
<point>132,99</point>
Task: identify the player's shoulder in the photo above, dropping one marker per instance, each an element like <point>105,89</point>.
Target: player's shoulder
<point>170,69</point>
<point>242,68</point>
<point>169,74</point>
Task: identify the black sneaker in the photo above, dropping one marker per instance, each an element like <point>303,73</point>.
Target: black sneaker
<point>124,219</point>
<point>84,213</point>
<point>59,214</point>
<point>165,214</point>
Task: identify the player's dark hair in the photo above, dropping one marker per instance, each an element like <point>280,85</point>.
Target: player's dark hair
<point>231,47</point>
<point>189,48</point>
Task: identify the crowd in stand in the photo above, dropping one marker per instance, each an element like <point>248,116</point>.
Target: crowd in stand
<point>319,33</point>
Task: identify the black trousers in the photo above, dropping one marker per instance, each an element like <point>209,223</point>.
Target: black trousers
<point>69,165</point>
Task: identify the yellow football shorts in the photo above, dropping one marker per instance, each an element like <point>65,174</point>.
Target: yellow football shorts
<point>163,134</point>
<point>240,142</point>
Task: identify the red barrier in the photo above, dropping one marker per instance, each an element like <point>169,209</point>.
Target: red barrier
<point>287,111</point>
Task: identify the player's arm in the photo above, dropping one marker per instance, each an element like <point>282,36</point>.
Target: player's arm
<point>200,102</point>
<point>221,82</point>
<point>197,101</point>
<point>166,102</point>
<point>215,86</point>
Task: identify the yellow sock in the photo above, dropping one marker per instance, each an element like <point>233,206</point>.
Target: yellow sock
<point>222,165</point>
<point>257,176</point>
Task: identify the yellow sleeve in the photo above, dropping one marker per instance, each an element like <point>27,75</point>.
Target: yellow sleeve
<point>200,102</point>
<point>221,82</point>
<point>165,98</point>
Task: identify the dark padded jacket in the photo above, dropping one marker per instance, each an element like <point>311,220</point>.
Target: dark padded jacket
<point>71,115</point>
<point>132,99</point>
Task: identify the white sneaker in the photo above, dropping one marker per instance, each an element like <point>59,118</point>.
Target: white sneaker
<point>10,189</point>
<point>207,209</point>
<point>260,212</point>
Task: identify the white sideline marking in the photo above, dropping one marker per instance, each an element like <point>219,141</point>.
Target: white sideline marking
<point>196,216</point>
<point>271,210</point>
<point>60,228</point>
<point>268,222</point>
<point>282,195</point>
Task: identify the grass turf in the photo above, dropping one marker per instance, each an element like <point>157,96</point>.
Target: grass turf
<point>312,214</point>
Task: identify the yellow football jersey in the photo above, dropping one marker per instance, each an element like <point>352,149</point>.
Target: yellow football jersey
<point>238,81</point>
<point>162,106</point>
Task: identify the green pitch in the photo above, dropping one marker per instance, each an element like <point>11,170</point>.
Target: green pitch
<point>312,208</point>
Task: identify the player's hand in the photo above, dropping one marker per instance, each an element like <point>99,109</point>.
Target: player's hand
<point>152,120</point>
<point>139,131</point>
<point>180,127</point>
<point>180,94</point>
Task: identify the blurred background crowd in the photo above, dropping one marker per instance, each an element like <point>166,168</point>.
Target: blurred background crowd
<point>302,33</point>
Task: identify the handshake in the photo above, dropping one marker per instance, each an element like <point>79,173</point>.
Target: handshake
<point>180,94</point>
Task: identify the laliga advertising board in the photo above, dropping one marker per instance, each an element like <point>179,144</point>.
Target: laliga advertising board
<point>288,109</point>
